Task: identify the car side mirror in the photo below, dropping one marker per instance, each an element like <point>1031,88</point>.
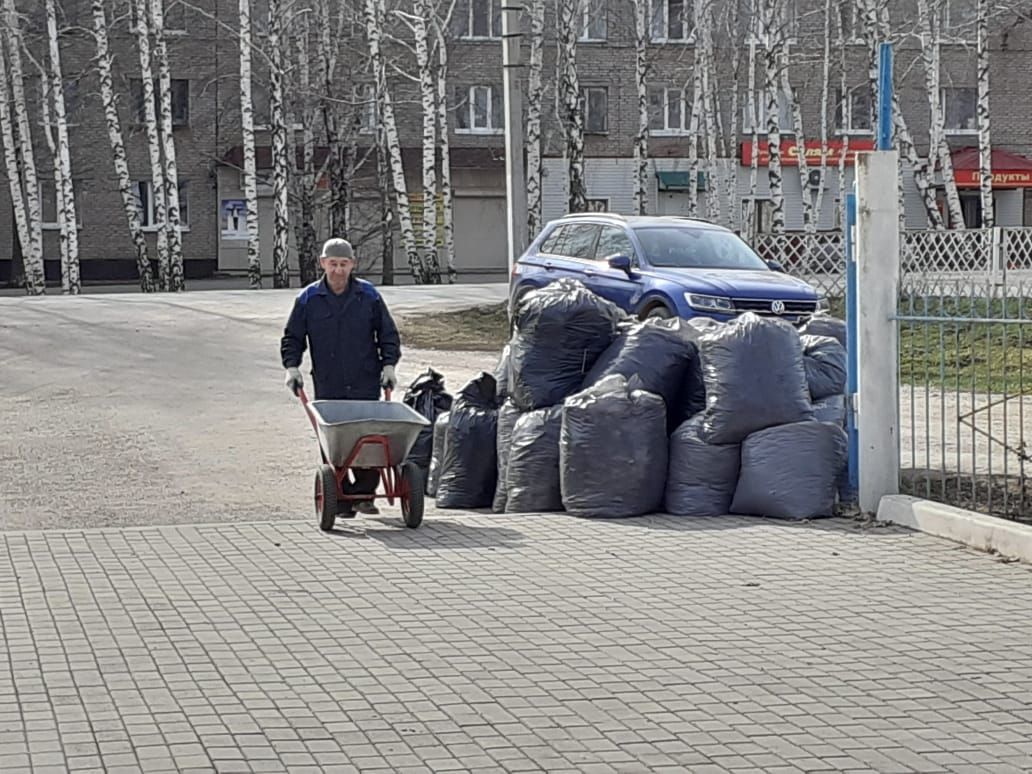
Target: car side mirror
<point>621,262</point>
<point>775,266</point>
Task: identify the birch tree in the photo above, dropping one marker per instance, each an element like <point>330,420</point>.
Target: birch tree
<point>117,143</point>
<point>569,18</point>
<point>141,28</point>
<point>64,190</point>
<point>428,99</point>
<point>843,112</point>
<point>280,151</point>
<point>772,62</point>
<point>383,184</point>
<point>374,23</point>
<point>750,209</point>
<point>447,192</point>
<point>709,109</point>
<point>694,120</point>
<point>250,171</point>
<point>176,280</point>
<point>985,158</point>
<point>340,158</point>
<point>929,27</point>
<point>22,168</point>
<point>535,100</point>
<point>304,228</point>
<point>641,84</point>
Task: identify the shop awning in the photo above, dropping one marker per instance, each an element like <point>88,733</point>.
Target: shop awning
<point>1009,169</point>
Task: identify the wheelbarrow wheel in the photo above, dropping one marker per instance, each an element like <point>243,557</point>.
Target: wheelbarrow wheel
<point>326,497</point>
<point>413,486</point>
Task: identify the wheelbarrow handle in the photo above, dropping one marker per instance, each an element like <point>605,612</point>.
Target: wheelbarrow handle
<point>308,410</point>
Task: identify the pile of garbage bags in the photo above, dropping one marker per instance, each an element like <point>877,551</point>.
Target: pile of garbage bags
<point>601,415</point>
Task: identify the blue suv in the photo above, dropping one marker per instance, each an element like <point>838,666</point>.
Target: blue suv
<point>661,266</point>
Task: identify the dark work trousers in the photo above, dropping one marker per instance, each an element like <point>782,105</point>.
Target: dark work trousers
<point>366,481</point>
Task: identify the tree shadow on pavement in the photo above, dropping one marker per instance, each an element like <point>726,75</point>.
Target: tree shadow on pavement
<point>434,534</point>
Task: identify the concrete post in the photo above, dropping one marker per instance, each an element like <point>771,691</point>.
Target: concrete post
<point>515,176</point>
<point>878,265</point>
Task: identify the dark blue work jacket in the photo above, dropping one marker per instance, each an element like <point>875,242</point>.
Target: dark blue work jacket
<point>351,337</point>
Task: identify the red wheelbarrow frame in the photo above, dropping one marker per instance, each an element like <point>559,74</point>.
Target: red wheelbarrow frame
<point>393,484</point>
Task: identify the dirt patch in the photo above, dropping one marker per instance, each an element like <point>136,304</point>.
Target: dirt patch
<point>480,329</point>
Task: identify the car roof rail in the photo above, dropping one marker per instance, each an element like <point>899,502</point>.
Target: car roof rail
<point>615,215</point>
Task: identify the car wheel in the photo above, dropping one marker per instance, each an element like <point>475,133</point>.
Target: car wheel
<point>658,312</point>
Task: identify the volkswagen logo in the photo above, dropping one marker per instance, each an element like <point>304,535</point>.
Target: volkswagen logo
<point>777,307</point>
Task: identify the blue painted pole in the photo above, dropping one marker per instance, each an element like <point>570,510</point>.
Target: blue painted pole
<point>851,358</point>
<point>885,96</point>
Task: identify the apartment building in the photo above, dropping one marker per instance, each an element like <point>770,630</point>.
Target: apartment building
<point>205,69</point>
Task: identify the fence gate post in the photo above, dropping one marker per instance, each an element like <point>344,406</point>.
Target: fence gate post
<point>878,259</point>
<point>999,256</point>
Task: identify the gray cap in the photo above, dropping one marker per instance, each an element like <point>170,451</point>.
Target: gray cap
<point>338,248</point>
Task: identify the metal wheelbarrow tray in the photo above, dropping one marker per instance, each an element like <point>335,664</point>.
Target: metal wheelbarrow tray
<point>368,434</point>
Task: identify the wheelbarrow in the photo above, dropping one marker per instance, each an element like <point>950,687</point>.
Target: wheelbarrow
<point>366,434</point>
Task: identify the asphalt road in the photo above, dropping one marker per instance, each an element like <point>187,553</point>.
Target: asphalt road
<point>159,409</point>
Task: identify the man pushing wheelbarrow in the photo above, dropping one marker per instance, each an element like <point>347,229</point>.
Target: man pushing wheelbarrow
<point>354,347</point>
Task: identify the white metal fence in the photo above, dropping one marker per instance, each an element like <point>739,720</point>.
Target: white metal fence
<point>968,254</point>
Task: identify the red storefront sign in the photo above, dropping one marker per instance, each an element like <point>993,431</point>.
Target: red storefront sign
<point>1005,178</point>
<point>812,148</point>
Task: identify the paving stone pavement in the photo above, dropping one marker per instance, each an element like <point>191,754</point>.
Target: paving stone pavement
<point>511,643</point>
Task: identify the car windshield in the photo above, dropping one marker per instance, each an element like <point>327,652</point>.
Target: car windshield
<point>696,248</point>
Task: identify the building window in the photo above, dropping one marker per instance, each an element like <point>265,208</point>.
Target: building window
<point>757,114</point>
<point>672,21</point>
<point>48,197</point>
<point>958,19</point>
<point>479,110</point>
<point>484,20</point>
<point>785,26</point>
<point>598,204</point>
<point>180,89</point>
<point>595,100</point>
<point>593,20</point>
<point>851,19</point>
<point>144,192</point>
<point>668,111</point>
<point>365,105</point>
<point>175,18</point>
<point>958,109</point>
<point>859,105</point>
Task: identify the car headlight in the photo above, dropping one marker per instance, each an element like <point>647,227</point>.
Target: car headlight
<point>709,303</point>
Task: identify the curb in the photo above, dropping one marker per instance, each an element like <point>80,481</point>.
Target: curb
<point>984,533</point>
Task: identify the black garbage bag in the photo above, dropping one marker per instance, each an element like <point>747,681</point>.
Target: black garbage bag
<point>507,416</point>
<point>433,478</point>
<point>753,370</point>
<point>657,351</point>
<point>692,397</point>
<point>823,324</point>
<point>533,476</point>
<point>561,330</point>
<point>791,471</point>
<point>427,396</point>
<point>701,477</point>
<point>613,450</point>
<point>831,409</point>
<point>501,374</point>
<point>470,468</point>
<point>824,360</point>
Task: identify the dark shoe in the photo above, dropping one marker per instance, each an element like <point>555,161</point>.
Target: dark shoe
<point>368,507</point>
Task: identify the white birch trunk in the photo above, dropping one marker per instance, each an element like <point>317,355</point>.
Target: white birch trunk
<point>735,115</point>
<point>118,154</point>
<point>48,134</point>
<point>176,280</point>
<point>141,28</point>
<point>280,151</point>
<point>250,171</point>
<point>35,283</point>
<point>818,204</point>
<point>641,137</point>
<point>66,192</point>
<point>985,157</point>
<point>428,98</point>
<point>802,166</point>
<point>750,209</point>
<point>772,89</point>
<point>709,106</point>
<point>304,227</point>
<point>843,107</point>
<point>931,48</point>
<point>535,100</point>
<point>694,119</point>
<point>447,194</point>
<point>374,21</point>
<point>32,246</point>
<point>568,13</point>
<point>383,183</point>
